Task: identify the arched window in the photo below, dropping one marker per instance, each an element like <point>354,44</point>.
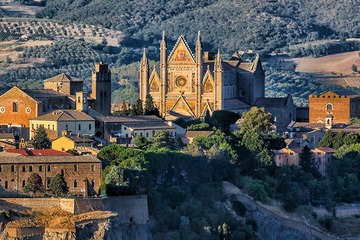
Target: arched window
<point>329,107</point>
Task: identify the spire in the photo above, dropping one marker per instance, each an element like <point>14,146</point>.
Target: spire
<point>218,65</point>
<point>163,40</point>
<point>144,60</point>
<point>198,41</point>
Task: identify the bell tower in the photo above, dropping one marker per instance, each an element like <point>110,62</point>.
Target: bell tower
<point>101,88</point>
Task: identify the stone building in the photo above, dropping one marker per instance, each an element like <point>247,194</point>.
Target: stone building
<point>18,106</point>
<point>187,84</point>
<point>74,121</point>
<point>282,109</point>
<point>101,89</point>
<point>333,107</point>
<point>81,173</point>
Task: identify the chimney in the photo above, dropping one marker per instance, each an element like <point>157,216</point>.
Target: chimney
<point>64,132</point>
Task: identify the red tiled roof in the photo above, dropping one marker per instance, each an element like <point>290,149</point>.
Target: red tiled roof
<point>39,152</point>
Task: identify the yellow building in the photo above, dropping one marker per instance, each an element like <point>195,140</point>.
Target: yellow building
<point>64,143</point>
<point>187,84</point>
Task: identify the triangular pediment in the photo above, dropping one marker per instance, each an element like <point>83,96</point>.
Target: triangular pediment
<point>182,107</point>
<point>208,82</point>
<point>181,52</point>
<point>154,82</point>
<point>207,108</point>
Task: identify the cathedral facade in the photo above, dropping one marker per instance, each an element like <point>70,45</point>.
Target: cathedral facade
<point>189,85</point>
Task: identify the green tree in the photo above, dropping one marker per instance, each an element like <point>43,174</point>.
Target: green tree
<point>137,108</point>
<point>222,119</point>
<point>58,186</point>
<point>162,139</point>
<point>34,184</point>
<point>254,129</point>
<point>328,140</point>
<point>41,139</point>
<point>339,140</point>
<point>149,104</point>
<point>257,121</point>
<point>224,232</point>
<point>140,142</point>
<point>307,162</point>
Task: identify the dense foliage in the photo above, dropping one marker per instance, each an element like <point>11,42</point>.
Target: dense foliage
<point>41,139</point>
<point>268,24</point>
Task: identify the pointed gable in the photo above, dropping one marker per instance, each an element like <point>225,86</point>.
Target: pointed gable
<point>208,82</point>
<point>181,52</point>
<point>182,107</point>
<point>154,81</point>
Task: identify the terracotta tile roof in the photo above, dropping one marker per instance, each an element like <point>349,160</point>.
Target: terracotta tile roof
<point>325,149</point>
<point>63,78</point>
<point>296,150</point>
<point>38,152</point>
<point>43,93</point>
<point>47,159</point>
<point>64,115</point>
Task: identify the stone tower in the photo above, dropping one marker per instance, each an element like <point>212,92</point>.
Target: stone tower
<point>101,88</point>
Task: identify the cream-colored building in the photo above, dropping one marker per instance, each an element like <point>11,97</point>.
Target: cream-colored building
<point>73,121</point>
<point>291,156</point>
<point>144,129</point>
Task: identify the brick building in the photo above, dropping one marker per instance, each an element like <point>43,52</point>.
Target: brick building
<point>333,107</point>
<point>18,106</point>
<point>81,173</point>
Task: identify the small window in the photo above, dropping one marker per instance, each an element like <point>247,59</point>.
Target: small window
<point>23,183</point>
<point>30,169</point>
<point>48,180</point>
<point>75,168</point>
<point>32,126</point>
<point>48,126</point>
<point>15,106</point>
<point>147,134</point>
<point>89,126</point>
<point>75,183</point>
<point>329,107</point>
<point>0,168</point>
<point>79,99</point>
<point>48,168</point>
<point>12,168</point>
<point>79,127</point>
<point>93,168</point>
<point>6,184</point>
<point>141,135</point>
<point>93,183</point>
<point>53,127</point>
<point>62,172</point>
<point>40,168</point>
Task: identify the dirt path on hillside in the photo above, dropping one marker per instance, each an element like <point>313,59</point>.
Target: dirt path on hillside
<point>299,224</point>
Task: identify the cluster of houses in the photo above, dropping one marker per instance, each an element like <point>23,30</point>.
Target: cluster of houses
<point>186,84</point>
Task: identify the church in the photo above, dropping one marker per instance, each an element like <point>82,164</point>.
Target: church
<point>190,85</point>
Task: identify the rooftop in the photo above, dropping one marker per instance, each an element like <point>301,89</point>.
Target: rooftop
<point>43,93</point>
<point>5,158</point>
<point>64,115</point>
<point>38,152</point>
<point>63,78</point>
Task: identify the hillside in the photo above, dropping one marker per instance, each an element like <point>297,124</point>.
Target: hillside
<point>230,24</point>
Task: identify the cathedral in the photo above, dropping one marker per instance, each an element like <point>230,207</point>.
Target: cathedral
<point>189,85</point>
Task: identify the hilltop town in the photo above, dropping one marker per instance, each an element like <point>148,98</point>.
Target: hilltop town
<point>121,123</point>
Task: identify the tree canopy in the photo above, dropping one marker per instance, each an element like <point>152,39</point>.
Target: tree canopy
<point>41,139</point>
